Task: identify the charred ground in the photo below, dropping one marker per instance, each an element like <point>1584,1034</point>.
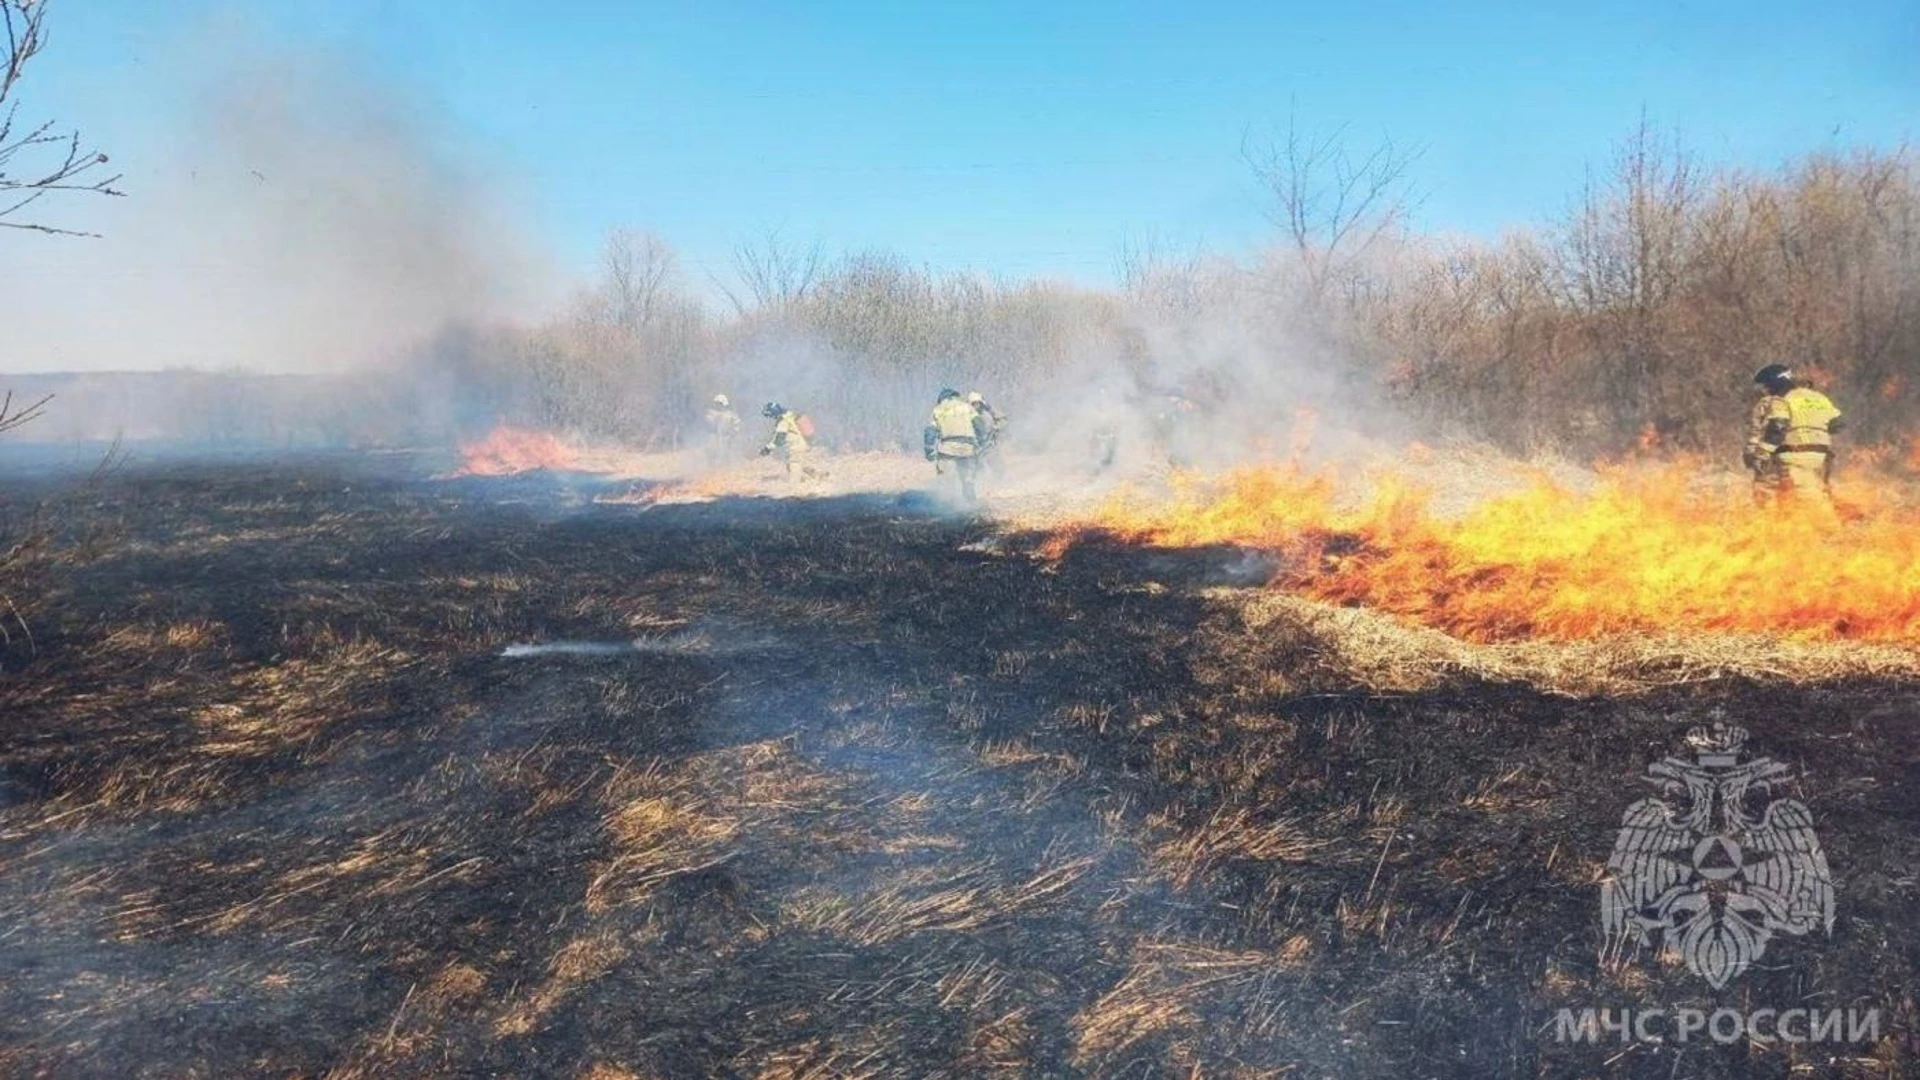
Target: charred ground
<point>860,790</point>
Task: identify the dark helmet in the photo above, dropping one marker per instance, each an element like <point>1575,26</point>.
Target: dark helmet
<point>948,394</point>
<point>1775,376</point>
<point>774,410</point>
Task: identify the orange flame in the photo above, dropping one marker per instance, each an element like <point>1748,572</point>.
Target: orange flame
<point>1642,551</point>
<point>509,450</point>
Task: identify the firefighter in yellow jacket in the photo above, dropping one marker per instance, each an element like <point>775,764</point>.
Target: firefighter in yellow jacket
<point>955,434</point>
<point>789,439</point>
<point>1790,439</point>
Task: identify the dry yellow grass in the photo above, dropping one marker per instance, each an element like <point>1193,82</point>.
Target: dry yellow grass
<point>578,963</point>
<point>656,837</point>
<point>1275,642</point>
<point>999,1046</point>
<point>666,821</point>
<point>936,898</point>
<point>241,717</point>
<point>1176,990</point>
<point>1191,850</point>
<point>816,1059</point>
<point>604,1071</point>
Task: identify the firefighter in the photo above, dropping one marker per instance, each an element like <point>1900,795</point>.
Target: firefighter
<point>996,422</point>
<point>1790,439</point>
<point>1174,429</point>
<point>955,433</point>
<point>790,439</point>
<point>723,429</point>
<point>1109,409</point>
<point>1106,447</point>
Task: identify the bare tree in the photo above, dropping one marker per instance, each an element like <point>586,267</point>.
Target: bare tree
<point>1159,278</point>
<point>772,273</point>
<point>38,160</point>
<point>638,266</point>
<point>1628,239</point>
<point>1333,204</point>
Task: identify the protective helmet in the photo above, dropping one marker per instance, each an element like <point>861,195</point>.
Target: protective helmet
<point>1773,375</point>
<point>721,400</point>
<point>948,394</point>
<point>774,410</point>
<point>975,397</point>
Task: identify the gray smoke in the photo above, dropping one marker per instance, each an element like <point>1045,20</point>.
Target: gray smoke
<point>297,214</point>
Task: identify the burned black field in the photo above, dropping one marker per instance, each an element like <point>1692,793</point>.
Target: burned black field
<point>832,788</point>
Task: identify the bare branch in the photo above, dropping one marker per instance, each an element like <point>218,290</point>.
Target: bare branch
<point>11,417</point>
<point>74,168</point>
<point>638,266</point>
<point>772,273</point>
<point>1332,206</point>
<point>1153,274</point>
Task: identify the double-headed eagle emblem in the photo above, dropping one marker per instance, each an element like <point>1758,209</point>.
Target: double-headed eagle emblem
<point>1715,880</point>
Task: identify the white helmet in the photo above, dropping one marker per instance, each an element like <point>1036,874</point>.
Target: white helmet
<point>721,400</point>
<point>976,398</point>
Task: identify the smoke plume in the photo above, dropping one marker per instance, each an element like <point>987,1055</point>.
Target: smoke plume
<point>296,214</point>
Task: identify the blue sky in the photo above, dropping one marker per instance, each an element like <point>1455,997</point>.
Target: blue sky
<point>1017,139</point>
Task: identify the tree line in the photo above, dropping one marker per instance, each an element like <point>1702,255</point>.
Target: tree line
<point>1636,319</point>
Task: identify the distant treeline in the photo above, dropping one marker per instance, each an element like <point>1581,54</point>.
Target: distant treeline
<point>1639,316</point>
<point>1646,311</point>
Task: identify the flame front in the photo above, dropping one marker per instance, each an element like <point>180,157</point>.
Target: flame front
<point>1643,551</point>
<point>509,450</point>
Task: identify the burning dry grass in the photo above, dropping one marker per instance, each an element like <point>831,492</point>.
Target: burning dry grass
<point>1645,551</point>
<point>508,450</point>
